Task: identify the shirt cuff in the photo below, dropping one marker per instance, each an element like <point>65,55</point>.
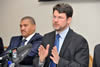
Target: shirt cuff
<point>41,64</point>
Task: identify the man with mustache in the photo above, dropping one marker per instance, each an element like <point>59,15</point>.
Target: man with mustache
<point>28,35</point>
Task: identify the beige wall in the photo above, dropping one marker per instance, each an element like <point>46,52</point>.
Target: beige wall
<point>86,19</point>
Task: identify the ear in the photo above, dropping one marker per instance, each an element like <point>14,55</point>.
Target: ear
<point>69,20</point>
<point>35,26</point>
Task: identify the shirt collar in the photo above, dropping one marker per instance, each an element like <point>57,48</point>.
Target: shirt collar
<point>63,33</point>
<point>29,37</point>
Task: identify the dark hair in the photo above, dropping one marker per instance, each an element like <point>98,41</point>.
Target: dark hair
<point>30,18</point>
<point>64,8</point>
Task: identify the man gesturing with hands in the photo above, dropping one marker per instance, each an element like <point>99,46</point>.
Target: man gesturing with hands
<point>63,47</point>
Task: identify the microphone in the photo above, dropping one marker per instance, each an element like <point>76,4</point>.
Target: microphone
<point>15,55</point>
<point>4,60</point>
<point>21,53</point>
<point>5,55</point>
<point>23,48</point>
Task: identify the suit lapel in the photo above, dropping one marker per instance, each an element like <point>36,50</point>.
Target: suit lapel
<point>34,37</point>
<point>66,42</point>
<point>18,41</point>
<point>52,40</point>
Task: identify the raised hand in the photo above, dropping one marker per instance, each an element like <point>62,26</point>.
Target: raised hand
<point>43,52</point>
<point>55,56</point>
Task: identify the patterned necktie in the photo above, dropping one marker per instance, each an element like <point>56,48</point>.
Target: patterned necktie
<point>23,42</point>
<point>52,64</point>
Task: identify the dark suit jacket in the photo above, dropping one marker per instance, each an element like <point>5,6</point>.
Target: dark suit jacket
<point>35,41</point>
<point>1,46</point>
<point>74,51</point>
<point>96,59</point>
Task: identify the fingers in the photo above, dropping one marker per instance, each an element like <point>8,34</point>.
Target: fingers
<point>41,48</point>
<point>43,52</point>
<point>55,57</point>
<point>47,47</point>
<point>54,51</point>
<point>52,58</point>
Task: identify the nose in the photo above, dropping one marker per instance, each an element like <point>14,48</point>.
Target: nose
<point>22,27</point>
<point>55,19</point>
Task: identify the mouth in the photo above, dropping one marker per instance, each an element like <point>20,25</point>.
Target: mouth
<point>55,25</point>
<point>22,32</point>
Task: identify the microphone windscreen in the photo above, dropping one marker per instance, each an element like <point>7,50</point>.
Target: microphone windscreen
<point>22,48</point>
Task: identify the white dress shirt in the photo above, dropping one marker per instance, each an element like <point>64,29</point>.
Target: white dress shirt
<point>28,38</point>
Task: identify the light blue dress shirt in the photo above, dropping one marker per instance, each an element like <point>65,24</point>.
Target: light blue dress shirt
<point>62,34</point>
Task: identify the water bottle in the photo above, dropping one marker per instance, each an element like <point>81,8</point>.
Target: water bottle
<point>14,54</point>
